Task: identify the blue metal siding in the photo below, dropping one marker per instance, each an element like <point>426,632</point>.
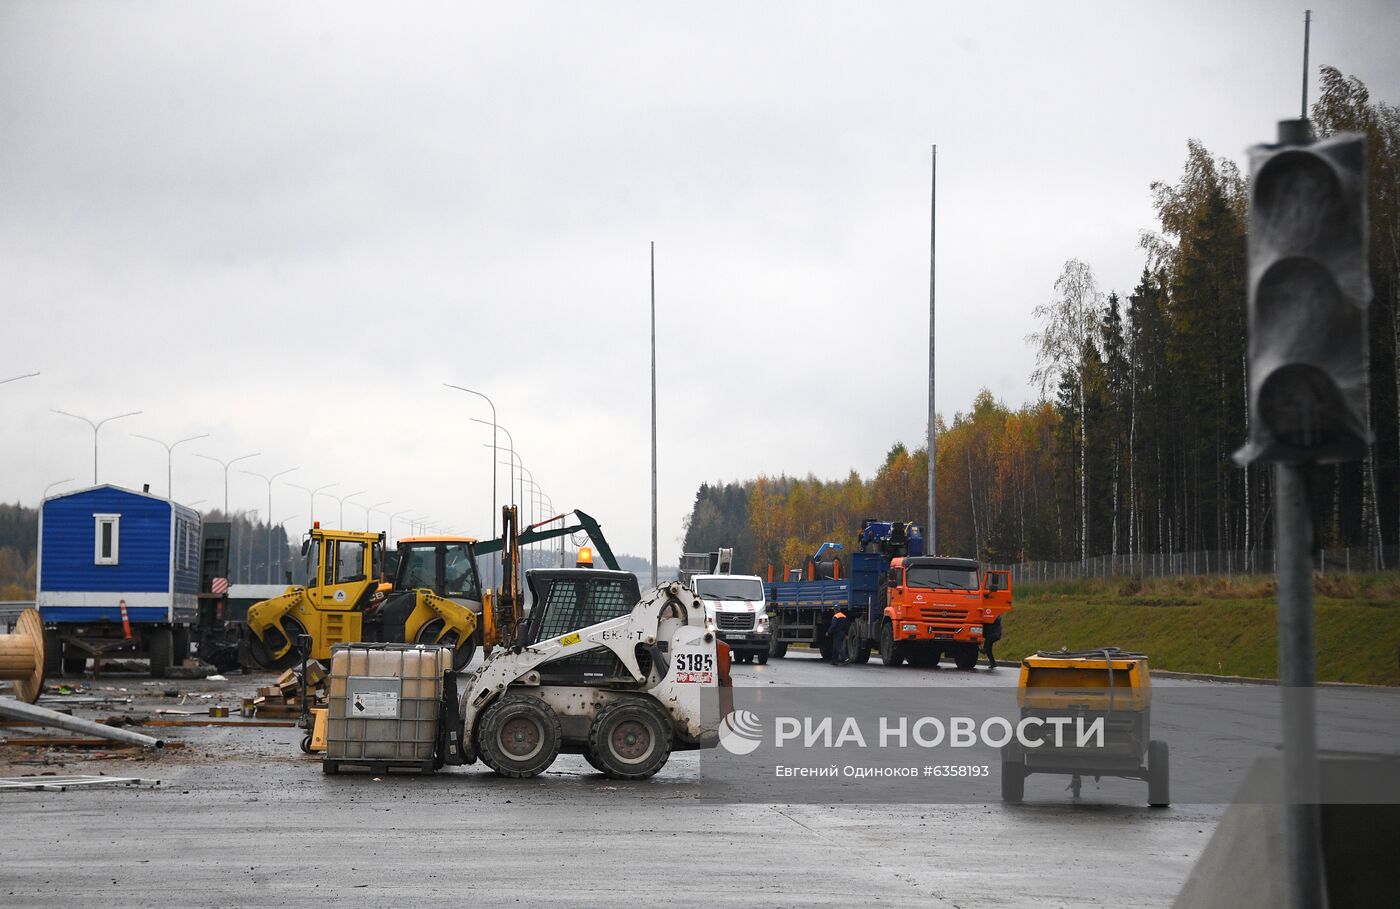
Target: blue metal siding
<point>70,538</point>
<point>81,615</point>
<point>187,536</point>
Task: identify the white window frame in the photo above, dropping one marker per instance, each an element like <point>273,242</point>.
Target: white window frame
<point>115,520</point>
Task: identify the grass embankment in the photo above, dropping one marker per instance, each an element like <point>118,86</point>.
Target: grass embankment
<point>1214,624</point>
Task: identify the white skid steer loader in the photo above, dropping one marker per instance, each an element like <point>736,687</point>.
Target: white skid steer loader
<point>598,670</point>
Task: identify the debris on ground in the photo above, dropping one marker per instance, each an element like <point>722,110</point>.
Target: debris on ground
<point>284,697</point>
<point>191,669</point>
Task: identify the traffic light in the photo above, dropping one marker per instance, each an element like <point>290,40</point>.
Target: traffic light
<point>1309,290</point>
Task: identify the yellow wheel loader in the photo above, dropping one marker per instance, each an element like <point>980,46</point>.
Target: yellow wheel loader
<point>342,588</point>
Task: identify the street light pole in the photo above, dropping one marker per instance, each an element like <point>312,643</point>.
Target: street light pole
<point>268,480</point>
<point>169,456</point>
<point>52,485</point>
<point>511,439</point>
<point>392,518</point>
<point>931,532</point>
<point>282,550</point>
<point>226,465</point>
<point>311,495</point>
<point>95,427</point>
<point>374,507</point>
<point>341,500</point>
<point>495,514</point>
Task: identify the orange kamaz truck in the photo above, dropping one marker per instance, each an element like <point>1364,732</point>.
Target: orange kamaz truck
<point>935,607</point>
<point>904,605</point>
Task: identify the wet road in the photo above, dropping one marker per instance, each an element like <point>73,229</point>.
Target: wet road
<point>242,817</point>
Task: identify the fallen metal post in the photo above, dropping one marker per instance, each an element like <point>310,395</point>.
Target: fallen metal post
<point>18,710</point>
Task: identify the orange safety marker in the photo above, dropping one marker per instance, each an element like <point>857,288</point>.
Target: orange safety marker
<point>126,622</point>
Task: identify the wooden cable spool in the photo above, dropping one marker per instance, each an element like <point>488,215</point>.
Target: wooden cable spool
<point>22,656</point>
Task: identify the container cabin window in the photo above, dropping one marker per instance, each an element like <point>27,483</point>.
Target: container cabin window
<point>107,538</point>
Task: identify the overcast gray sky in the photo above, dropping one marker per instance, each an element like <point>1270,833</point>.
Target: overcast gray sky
<point>287,225</point>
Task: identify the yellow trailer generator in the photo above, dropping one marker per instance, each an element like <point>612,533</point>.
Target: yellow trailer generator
<point>1094,709</point>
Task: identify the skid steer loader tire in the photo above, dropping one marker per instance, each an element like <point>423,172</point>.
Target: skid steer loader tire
<point>519,736</point>
<point>631,739</point>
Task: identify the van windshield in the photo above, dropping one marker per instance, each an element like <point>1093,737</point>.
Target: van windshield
<point>928,576</point>
<point>729,589</point>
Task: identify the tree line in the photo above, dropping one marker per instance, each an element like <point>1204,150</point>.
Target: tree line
<point>1143,400</point>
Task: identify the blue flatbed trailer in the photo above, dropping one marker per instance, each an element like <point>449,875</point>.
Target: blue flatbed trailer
<point>799,612</point>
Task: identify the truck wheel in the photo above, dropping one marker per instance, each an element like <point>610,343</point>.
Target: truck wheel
<point>966,656</point>
<point>160,645</point>
<point>631,739</point>
<point>592,759</point>
<point>761,658</point>
<point>1158,775</point>
<point>891,654</point>
<point>777,649</point>
<point>519,736</point>
<point>1013,776</point>
<point>857,644</point>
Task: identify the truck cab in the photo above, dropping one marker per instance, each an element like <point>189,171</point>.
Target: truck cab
<point>736,610</point>
<point>938,606</point>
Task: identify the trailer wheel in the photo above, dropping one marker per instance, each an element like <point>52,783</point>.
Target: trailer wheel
<point>160,644</point>
<point>1158,775</point>
<point>180,638</point>
<point>1013,775</point>
<point>631,739</point>
<point>53,653</point>
<point>891,653</point>
<point>519,736</point>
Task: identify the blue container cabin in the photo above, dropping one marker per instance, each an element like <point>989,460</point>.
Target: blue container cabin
<point>101,546</point>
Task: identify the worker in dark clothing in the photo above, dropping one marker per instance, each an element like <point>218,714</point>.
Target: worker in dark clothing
<point>837,633</point>
<point>990,635</point>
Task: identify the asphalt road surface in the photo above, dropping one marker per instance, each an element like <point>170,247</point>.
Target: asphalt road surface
<point>242,817</point>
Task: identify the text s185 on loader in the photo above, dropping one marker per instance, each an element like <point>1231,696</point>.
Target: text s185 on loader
<point>342,570</point>
<point>598,673</point>
<point>1107,686</point>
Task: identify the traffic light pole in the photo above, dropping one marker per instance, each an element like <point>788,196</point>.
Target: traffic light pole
<point>1297,675</point>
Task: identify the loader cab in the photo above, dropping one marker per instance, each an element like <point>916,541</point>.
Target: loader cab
<point>569,599</point>
<point>445,565</point>
<point>342,567</point>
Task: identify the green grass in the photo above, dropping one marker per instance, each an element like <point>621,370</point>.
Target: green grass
<point>1214,624</point>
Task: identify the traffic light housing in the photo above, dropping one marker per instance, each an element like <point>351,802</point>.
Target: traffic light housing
<point>1309,289</point>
